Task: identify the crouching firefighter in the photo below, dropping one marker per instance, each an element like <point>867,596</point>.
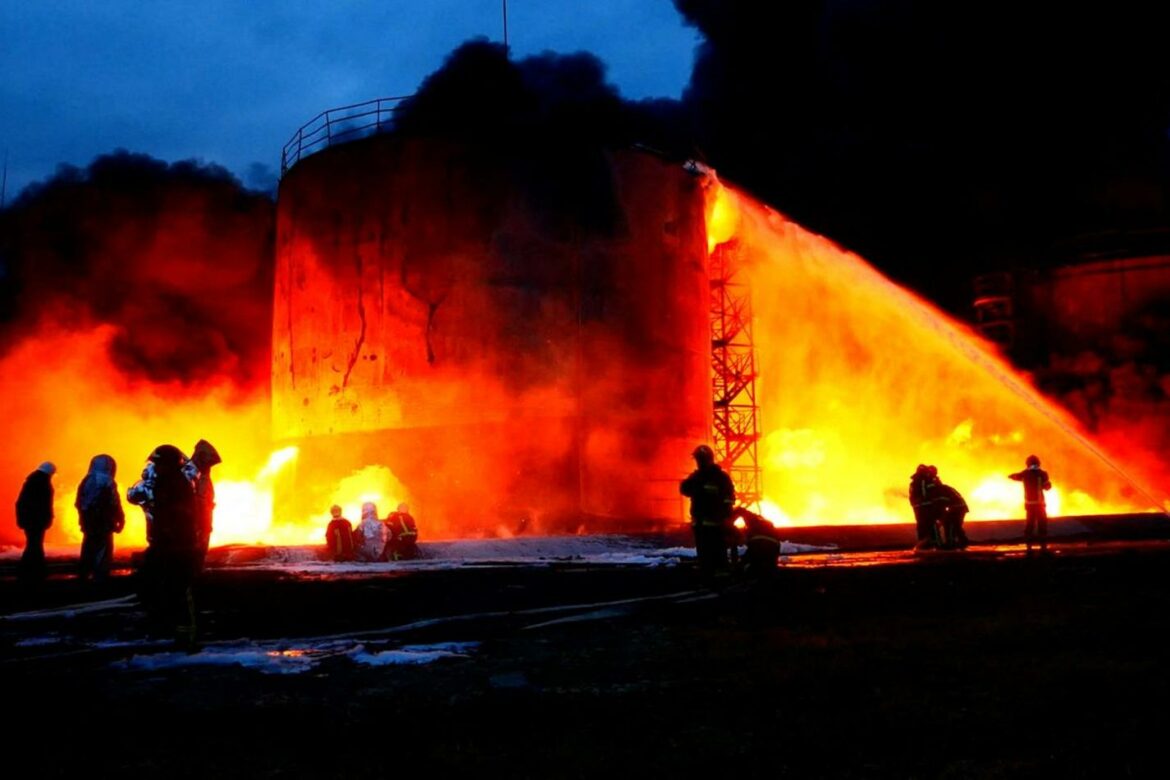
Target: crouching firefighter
<point>762,543</point>
<point>712,496</point>
<point>952,510</point>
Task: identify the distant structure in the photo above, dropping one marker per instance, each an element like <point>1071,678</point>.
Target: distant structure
<point>1092,327</point>
<point>1090,289</point>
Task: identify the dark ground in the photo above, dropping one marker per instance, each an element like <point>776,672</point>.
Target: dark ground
<point>952,665</point>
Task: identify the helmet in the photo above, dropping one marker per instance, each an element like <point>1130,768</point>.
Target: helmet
<point>703,454</point>
<point>205,455</point>
<point>168,456</point>
<point>932,471</point>
<point>1032,461</point>
<point>335,511</point>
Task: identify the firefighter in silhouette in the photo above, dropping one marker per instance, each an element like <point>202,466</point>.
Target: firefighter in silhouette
<point>202,459</point>
<point>762,550</point>
<point>100,513</point>
<point>951,510</point>
<point>712,496</point>
<point>401,535</point>
<point>166,494</point>
<point>34,515</point>
<point>338,536</point>
<point>923,495</point>
<point>1035,481</point>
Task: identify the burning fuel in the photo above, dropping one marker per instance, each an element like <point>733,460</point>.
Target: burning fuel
<point>80,403</point>
<point>860,380</point>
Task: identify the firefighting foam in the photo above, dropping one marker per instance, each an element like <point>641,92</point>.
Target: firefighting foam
<point>860,380</point>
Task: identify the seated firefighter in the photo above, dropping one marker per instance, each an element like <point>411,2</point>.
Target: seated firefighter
<point>762,542</point>
<point>370,535</point>
<point>338,536</point>
<point>401,535</point>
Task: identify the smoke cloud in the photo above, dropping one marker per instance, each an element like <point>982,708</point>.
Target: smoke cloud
<point>937,139</point>
<point>175,258</point>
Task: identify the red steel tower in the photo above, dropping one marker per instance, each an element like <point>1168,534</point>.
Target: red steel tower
<point>735,424</point>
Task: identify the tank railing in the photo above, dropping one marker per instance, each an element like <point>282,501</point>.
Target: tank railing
<point>339,125</point>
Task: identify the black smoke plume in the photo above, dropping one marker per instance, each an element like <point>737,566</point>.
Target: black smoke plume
<point>547,100</point>
<point>176,257</point>
<point>939,139</point>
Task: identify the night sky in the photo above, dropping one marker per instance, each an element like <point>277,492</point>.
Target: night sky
<point>228,81</point>
<point>938,140</point>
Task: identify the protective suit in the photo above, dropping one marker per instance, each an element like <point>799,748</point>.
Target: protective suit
<point>1035,481</point>
<point>712,496</point>
<point>34,516</point>
<point>371,535</point>
<point>762,544</point>
<point>952,511</point>
<point>402,532</point>
<point>923,494</point>
<point>338,537</point>
<point>166,494</point>
<point>203,458</point>
<point>100,513</point>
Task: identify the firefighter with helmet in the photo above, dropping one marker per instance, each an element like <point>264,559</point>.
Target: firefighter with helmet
<point>1035,481</point>
<point>339,536</point>
<point>202,459</point>
<point>762,543</point>
<point>951,509</point>
<point>920,499</point>
<point>712,496</point>
<point>401,535</point>
<point>166,494</point>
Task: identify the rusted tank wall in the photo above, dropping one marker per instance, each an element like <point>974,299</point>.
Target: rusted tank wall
<point>1092,301</point>
<point>507,337</point>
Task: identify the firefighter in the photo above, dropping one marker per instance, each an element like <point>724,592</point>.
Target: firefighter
<point>951,511</point>
<point>339,536</point>
<point>762,552</point>
<point>370,536</point>
<point>203,457</point>
<point>1035,481</point>
<point>100,514</point>
<point>402,535</point>
<point>166,494</point>
<point>34,516</point>
<point>923,495</point>
<point>712,496</point>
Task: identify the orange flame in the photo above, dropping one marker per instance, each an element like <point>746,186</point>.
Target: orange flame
<point>76,405</point>
<point>860,381</point>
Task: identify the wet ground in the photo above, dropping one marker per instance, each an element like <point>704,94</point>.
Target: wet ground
<point>848,664</point>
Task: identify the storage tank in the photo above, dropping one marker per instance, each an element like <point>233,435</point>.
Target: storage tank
<point>520,335</point>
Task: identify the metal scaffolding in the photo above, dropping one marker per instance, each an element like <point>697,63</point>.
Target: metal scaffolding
<point>735,420</point>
